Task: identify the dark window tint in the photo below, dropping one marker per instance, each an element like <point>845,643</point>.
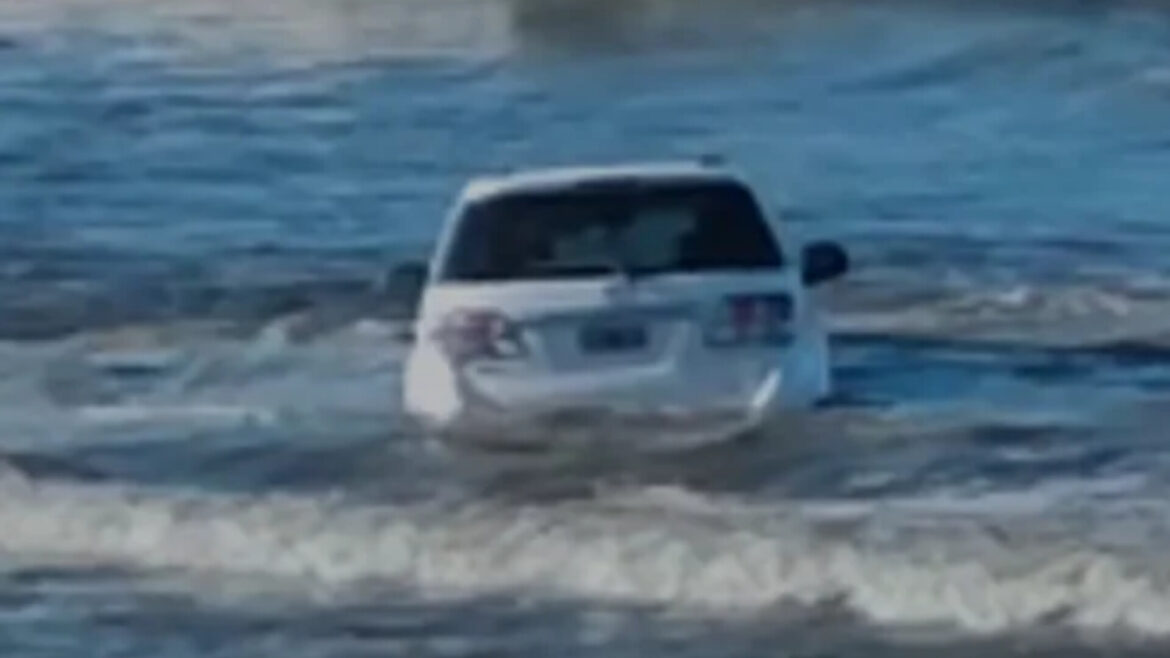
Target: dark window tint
<point>599,230</point>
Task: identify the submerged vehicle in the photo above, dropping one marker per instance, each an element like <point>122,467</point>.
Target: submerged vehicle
<point>631,298</point>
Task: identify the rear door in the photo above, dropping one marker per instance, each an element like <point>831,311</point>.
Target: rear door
<point>609,275</point>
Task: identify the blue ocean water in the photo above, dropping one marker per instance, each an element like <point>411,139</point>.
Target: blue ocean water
<point>201,446</point>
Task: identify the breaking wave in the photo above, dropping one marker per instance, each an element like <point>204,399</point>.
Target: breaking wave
<point>1030,563</point>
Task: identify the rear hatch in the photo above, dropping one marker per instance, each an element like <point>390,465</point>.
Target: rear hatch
<point>610,276</point>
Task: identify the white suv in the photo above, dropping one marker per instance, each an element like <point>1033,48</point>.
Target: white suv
<point>631,297</point>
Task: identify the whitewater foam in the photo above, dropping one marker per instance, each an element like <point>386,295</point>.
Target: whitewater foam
<point>197,415</point>
<point>1058,316</point>
<point>980,573</point>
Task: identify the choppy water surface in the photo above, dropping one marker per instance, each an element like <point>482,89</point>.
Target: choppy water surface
<point>201,448</point>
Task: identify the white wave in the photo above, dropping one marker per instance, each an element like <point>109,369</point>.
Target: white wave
<point>1042,315</point>
<point>191,377</point>
<point>297,30</point>
<point>193,414</point>
<point>980,573</point>
<point>140,349</point>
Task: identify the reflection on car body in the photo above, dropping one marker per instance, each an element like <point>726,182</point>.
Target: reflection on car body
<point>644,290</point>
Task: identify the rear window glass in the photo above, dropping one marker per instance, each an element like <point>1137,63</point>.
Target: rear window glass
<point>602,230</point>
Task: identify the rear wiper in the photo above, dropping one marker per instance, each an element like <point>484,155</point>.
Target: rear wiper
<point>632,274</point>
<point>611,266</point>
<point>587,268</point>
<point>622,269</point>
<point>572,270</point>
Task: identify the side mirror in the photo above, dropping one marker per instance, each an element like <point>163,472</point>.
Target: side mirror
<point>823,261</point>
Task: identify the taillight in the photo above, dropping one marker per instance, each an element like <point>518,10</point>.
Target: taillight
<point>479,334</point>
<point>751,319</point>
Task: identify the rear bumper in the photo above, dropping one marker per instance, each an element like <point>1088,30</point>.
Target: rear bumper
<point>594,428</point>
<point>694,410</point>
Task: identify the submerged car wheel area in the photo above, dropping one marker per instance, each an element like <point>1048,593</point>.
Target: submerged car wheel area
<point>620,298</point>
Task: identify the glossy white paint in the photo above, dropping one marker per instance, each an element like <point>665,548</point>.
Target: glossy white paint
<point>679,376</point>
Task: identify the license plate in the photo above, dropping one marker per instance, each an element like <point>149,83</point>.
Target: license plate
<point>611,337</point>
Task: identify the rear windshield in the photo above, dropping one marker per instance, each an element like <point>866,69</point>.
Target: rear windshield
<point>633,230</point>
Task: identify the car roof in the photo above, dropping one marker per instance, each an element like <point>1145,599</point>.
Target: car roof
<point>548,179</point>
